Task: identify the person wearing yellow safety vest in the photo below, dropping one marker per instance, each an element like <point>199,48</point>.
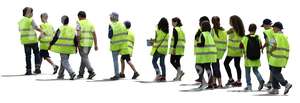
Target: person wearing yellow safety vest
<point>206,53</point>
<point>252,46</point>
<point>177,47</point>
<point>29,39</point>
<point>279,55</point>
<point>126,53</point>
<point>220,38</point>
<point>160,49</point>
<point>200,79</point>
<point>234,51</point>
<point>86,37</point>
<point>45,39</point>
<point>118,39</point>
<point>65,43</point>
<point>268,35</point>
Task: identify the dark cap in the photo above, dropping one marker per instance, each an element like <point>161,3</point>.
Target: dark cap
<point>278,25</point>
<point>266,22</point>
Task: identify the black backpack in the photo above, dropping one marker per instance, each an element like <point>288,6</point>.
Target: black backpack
<point>253,48</point>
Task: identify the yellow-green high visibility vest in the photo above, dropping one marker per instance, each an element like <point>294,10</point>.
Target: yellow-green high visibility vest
<point>279,56</point>
<point>234,49</point>
<point>130,44</point>
<point>65,43</point>
<point>160,43</point>
<point>28,35</point>
<point>248,62</point>
<point>208,53</point>
<point>119,39</point>
<point>269,35</point>
<point>86,33</point>
<point>179,50</point>
<point>47,37</point>
<point>220,41</point>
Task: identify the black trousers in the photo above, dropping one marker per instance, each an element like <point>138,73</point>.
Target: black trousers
<point>216,69</point>
<point>175,61</point>
<point>236,64</point>
<point>36,52</point>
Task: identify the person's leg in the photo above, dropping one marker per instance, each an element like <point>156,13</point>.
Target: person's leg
<point>155,66</point>
<point>162,65</point>
<point>61,70</point>
<point>86,52</point>
<point>129,62</point>
<point>248,78</point>
<point>180,73</point>
<point>228,70</point>
<point>238,68</point>
<point>209,73</point>
<point>55,67</point>
<point>67,66</point>
<point>259,78</point>
<point>116,65</point>
<point>122,65</point>
<point>37,58</point>
<point>27,50</point>
<point>216,72</point>
<point>82,63</point>
<point>173,61</point>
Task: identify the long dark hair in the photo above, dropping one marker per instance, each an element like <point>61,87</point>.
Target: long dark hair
<point>177,20</point>
<point>163,25</point>
<point>215,20</point>
<point>237,24</point>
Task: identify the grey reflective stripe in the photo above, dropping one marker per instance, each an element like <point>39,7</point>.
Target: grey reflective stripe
<point>120,34</point>
<point>61,38</point>
<point>205,53</point>
<point>161,40</point>
<point>221,49</point>
<point>29,35</point>
<point>89,38</point>
<point>162,46</point>
<point>236,48</point>
<point>64,44</point>
<point>210,46</point>
<point>178,46</point>
<point>45,42</point>
<point>279,56</point>
<point>119,41</point>
<point>25,29</point>
<point>284,49</point>
<point>130,46</point>
<point>234,40</point>
<point>220,42</point>
<point>179,39</point>
<point>86,32</point>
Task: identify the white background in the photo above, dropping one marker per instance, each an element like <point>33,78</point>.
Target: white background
<point>144,16</point>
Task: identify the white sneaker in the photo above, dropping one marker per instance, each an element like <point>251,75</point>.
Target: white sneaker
<point>274,91</point>
<point>287,88</point>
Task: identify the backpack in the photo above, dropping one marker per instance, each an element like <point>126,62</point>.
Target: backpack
<point>253,48</point>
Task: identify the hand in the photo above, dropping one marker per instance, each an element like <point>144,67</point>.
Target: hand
<point>174,51</point>
<point>96,48</point>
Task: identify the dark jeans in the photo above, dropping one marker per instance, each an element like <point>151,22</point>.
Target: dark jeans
<point>157,56</point>
<point>277,77</point>
<point>216,69</point>
<point>36,52</point>
<point>175,61</point>
<point>236,64</point>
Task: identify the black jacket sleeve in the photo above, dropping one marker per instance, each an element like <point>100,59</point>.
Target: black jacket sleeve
<point>202,43</point>
<point>55,38</point>
<point>175,37</point>
<point>110,32</point>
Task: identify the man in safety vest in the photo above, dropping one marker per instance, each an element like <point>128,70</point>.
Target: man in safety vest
<point>28,38</point>
<point>279,55</point>
<point>87,36</point>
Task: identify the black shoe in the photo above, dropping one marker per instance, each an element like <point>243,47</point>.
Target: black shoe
<point>79,76</point>
<point>28,73</point>
<point>261,85</point>
<point>237,84</point>
<point>114,78</point>
<point>210,87</point>
<point>72,76</point>
<point>61,77</point>
<point>162,79</point>
<point>229,82</point>
<point>198,80</point>
<point>37,71</point>
<point>55,69</point>
<point>122,75</point>
<point>91,75</point>
<point>135,75</point>
<point>215,86</point>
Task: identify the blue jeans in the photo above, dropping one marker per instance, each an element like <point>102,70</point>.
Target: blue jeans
<point>37,59</point>
<point>255,71</point>
<point>115,55</point>
<point>277,77</point>
<point>65,65</point>
<point>157,56</point>
<point>85,62</point>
